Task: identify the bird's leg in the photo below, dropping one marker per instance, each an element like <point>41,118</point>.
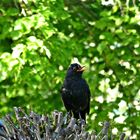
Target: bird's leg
<point>80,116</point>
<point>67,116</point>
<point>69,113</point>
<point>82,121</point>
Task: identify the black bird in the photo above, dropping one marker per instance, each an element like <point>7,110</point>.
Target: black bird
<point>75,92</point>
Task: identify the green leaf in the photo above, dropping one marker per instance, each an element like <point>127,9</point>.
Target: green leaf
<point>101,47</point>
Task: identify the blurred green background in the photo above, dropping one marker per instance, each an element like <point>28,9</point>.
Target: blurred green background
<point>40,38</point>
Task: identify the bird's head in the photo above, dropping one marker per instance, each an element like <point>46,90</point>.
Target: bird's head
<point>75,70</point>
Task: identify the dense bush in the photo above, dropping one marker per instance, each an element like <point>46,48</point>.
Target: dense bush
<point>39,39</point>
<point>33,126</point>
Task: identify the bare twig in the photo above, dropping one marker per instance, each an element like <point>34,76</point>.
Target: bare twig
<point>40,127</point>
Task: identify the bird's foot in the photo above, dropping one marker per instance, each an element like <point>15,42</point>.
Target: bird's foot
<point>82,122</point>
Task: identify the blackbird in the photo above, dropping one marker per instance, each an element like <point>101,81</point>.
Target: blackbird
<point>75,92</point>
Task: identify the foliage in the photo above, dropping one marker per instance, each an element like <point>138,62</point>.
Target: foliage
<point>39,39</point>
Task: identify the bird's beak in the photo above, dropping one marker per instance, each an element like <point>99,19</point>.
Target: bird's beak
<point>81,69</point>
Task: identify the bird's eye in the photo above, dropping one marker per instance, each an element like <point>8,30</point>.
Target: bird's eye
<point>74,68</point>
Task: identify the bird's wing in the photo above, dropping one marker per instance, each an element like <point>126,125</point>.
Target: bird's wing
<point>88,106</point>
<point>85,89</point>
<point>66,98</point>
<point>81,95</point>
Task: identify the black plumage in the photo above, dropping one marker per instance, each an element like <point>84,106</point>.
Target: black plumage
<point>75,92</point>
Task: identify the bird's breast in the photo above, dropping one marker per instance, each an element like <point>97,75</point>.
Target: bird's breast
<point>76,92</point>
